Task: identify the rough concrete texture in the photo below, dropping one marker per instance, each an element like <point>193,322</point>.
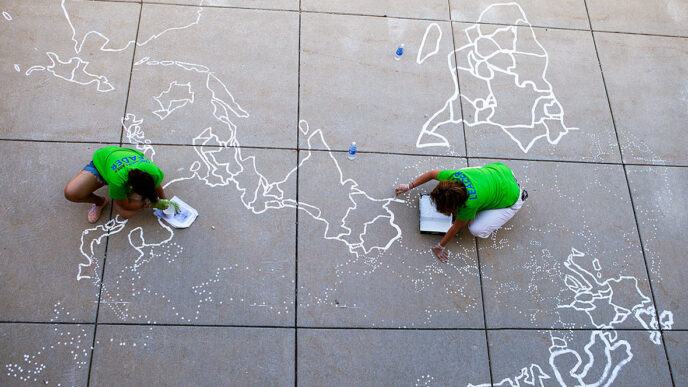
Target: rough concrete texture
<point>232,272</point>
<point>602,354</point>
<point>382,108</point>
<point>48,74</point>
<point>382,275</point>
<point>532,86</point>
<point>41,258</point>
<point>260,4</point>
<point>45,354</point>
<point>204,356</point>
<point>677,348</point>
<point>417,9</point>
<point>663,219</point>
<point>373,358</point>
<point>566,14</point>
<point>302,266</point>
<point>650,112</point>
<point>198,72</point>
<point>532,266</point>
<point>665,17</point>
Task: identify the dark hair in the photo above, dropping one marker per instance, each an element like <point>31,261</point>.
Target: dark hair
<point>448,196</point>
<point>143,184</point>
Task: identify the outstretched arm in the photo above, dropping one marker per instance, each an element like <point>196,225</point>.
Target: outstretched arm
<point>453,230</point>
<point>160,192</point>
<point>439,249</point>
<point>422,179</point>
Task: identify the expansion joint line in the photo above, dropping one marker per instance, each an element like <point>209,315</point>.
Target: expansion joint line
<point>630,193</point>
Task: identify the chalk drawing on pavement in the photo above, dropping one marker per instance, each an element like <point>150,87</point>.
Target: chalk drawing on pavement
<point>500,60</point>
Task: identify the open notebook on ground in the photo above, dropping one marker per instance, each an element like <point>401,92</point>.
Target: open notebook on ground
<point>431,221</point>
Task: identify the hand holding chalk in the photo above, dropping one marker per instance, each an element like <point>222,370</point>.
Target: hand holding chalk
<point>401,188</point>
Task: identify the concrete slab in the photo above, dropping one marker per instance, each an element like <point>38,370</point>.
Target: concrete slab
<point>381,357</point>
<point>665,17</point>
<point>263,4</point>
<point>42,248</point>
<point>417,9</point>
<point>182,83</point>
<point>539,95</point>
<point>677,348</point>
<point>570,358</point>
<point>352,87</point>
<point>173,356</point>
<point>63,79</point>
<point>564,14</point>
<point>571,257</point>
<point>649,111</point>
<point>45,354</point>
<point>234,265</point>
<point>663,218</point>
<point>360,266</point>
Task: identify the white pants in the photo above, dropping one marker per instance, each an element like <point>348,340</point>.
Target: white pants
<point>487,221</point>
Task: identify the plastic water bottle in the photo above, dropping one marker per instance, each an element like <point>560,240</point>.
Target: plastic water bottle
<point>399,52</point>
<point>352,151</point>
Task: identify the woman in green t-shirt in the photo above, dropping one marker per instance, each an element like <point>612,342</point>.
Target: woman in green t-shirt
<point>484,198</point>
<point>127,172</point>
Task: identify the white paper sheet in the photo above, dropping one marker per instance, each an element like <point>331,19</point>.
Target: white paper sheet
<point>430,219</point>
<point>181,219</point>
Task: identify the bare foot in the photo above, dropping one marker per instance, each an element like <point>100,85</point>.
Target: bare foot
<point>95,211</point>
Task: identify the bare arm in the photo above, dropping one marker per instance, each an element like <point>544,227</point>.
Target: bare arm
<point>438,249</point>
<point>130,205</point>
<point>453,230</point>
<point>160,192</point>
<point>422,179</point>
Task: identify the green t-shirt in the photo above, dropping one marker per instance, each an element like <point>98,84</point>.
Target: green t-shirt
<point>114,163</point>
<point>489,187</point>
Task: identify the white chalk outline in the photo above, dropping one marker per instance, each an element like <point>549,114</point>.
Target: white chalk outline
<point>429,137</point>
<point>432,26</point>
<point>78,46</point>
<point>172,104</point>
<point>102,82</point>
<point>585,285</point>
<point>218,174</point>
<point>34,68</point>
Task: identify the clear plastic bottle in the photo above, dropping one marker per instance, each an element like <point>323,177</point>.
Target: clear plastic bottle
<point>399,52</point>
<point>352,151</point>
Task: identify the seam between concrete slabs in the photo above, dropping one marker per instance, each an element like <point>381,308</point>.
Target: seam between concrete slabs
<point>486,157</point>
<point>107,238</point>
<point>296,210</point>
<point>372,153</point>
<point>288,327</point>
<point>389,17</point>
<point>475,240</point>
<point>630,195</point>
